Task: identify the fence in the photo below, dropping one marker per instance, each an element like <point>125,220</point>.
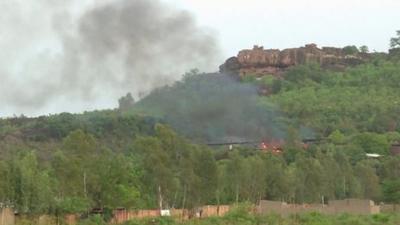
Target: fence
<point>7,216</point>
<point>390,208</point>
<point>123,215</point>
<point>351,206</point>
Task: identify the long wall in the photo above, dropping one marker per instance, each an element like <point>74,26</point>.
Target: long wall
<point>351,206</point>
<point>123,215</point>
<point>7,216</point>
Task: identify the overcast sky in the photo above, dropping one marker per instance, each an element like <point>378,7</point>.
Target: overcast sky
<point>292,23</point>
<point>36,37</point>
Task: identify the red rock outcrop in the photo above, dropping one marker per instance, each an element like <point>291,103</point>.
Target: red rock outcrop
<point>259,61</point>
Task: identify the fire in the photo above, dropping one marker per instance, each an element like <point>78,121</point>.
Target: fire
<point>271,146</point>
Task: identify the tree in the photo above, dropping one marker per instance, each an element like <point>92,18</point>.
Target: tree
<point>206,170</point>
<point>391,190</point>
<point>157,173</point>
<point>32,186</point>
<point>235,174</point>
<point>79,147</point>
<point>331,175</point>
<point>395,41</point>
<point>336,137</point>
<point>369,181</point>
<point>191,183</point>
<point>372,143</point>
<point>346,183</point>
<point>253,188</point>
<point>6,181</point>
<point>364,49</point>
<point>115,181</point>
<point>276,181</point>
<point>350,50</point>
<point>308,179</point>
<point>126,102</point>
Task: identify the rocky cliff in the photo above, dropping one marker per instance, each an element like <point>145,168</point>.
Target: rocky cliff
<point>259,61</point>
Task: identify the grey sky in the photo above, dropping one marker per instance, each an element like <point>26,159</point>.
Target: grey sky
<point>34,35</point>
<point>292,23</point>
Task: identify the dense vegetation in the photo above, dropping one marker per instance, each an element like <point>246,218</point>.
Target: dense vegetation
<point>133,158</point>
<point>361,99</point>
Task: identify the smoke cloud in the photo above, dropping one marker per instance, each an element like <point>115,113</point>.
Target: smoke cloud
<point>79,55</point>
<point>215,108</point>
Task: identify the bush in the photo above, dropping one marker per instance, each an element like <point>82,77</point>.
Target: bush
<point>241,214</point>
<point>93,220</point>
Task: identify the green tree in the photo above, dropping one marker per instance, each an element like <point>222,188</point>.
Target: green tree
<point>390,168</point>
<point>337,137</point>
<point>206,170</point>
<point>331,175</point>
<point>395,41</point>
<point>391,191</point>
<point>369,181</point>
<point>254,185</point>
<point>157,173</point>
<point>32,186</point>
<point>346,184</point>
<point>115,181</point>
<point>235,174</point>
<point>372,143</point>
<point>6,187</point>
<point>276,181</point>
<point>364,49</point>
<point>308,180</point>
<point>350,50</point>
<point>79,147</point>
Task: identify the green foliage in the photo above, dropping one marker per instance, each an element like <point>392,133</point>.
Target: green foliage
<point>372,143</point>
<point>359,99</point>
<point>72,205</point>
<point>368,179</point>
<point>240,216</point>
<point>364,49</point>
<point>336,137</point>
<point>350,50</point>
<point>30,186</point>
<point>93,220</point>
<point>395,41</point>
<point>101,124</point>
<point>391,190</point>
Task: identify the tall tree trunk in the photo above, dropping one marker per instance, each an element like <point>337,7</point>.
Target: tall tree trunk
<point>160,198</point>
<point>183,202</point>
<point>84,184</point>
<point>237,193</point>
<point>184,197</point>
<point>175,197</point>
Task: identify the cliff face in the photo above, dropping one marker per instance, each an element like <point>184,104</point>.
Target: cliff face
<point>259,61</point>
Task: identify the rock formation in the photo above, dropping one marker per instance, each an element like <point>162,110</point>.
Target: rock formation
<point>259,61</point>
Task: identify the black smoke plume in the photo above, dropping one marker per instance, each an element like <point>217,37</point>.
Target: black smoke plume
<point>97,54</point>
